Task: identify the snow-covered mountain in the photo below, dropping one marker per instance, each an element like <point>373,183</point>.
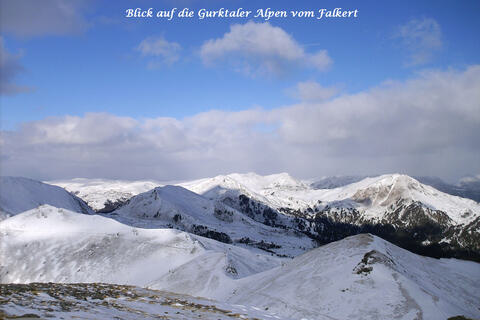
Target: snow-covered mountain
<point>21,194</point>
<point>104,195</point>
<point>361,277</point>
<point>177,207</point>
<point>274,191</point>
<point>374,197</point>
<point>49,244</point>
<point>371,196</point>
<point>283,192</point>
<point>467,187</point>
<point>280,214</point>
<point>388,205</point>
<point>364,277</point>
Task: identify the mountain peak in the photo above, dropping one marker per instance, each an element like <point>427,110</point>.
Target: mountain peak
<point>258,182</point>
<point>43,219</point>
<point>398,178</point>
<point>387,189</point>
<point>19,194</point>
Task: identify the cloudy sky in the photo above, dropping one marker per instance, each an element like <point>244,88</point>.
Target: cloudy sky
<point>87,92</point>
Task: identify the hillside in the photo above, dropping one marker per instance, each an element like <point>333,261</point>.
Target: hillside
<point>365,277</point>
<point>21,194</point>
<point>49,244</point>
<point>361,277</point>
<point>179,208</point>
<point>104,195</point>
<point>396,207</point>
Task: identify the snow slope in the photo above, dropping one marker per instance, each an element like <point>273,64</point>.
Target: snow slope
<point>364,277</point>
<point>49,244</point>
<point>376,194</point>
<point>371,196</point>
<point>21,194</point>
<point>278,190</point>
<point>96,192</point>
<point>174,206</point>
<point>360,277</point>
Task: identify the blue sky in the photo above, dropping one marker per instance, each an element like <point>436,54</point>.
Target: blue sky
<point>91,61</point>
<point>100,70</point>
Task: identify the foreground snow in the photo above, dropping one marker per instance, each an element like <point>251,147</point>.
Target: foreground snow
<point>104,301</point>
<point>49,244</point>
<point>360,277</point>
<point>365,277</point>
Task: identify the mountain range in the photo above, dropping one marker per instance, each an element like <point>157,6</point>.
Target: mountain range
<point>396,207</point>
<point>278,246</point>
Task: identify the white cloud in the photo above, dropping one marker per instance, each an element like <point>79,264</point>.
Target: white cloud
<point>158,47</point>
<point>312,91</point>
<point>320,60</point>
<point>38,18</point>
<point>428,125</point>
<point>10,68</point>
<point>261,48</point>
<point>422,38</point>
<point>74,130</point>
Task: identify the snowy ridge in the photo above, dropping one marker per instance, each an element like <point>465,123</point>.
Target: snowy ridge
<point>376,194</point>
<point>277,190</point>
<point>361,277</point>
<point>371,196</point>
<point>21,194</point>
<point>365,277</point>
<point>175,206</point>
<point>49,244</point>
<point>97,192</point>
